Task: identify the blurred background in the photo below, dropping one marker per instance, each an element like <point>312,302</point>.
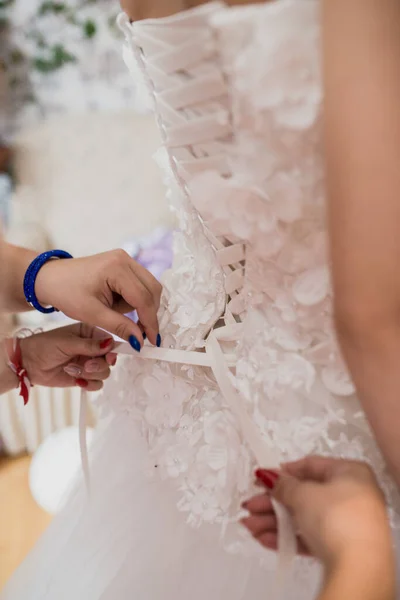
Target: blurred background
<point>76,172</point>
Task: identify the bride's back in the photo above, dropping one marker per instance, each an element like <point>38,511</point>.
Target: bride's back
<point>238,98</point>
<point>238,95</point>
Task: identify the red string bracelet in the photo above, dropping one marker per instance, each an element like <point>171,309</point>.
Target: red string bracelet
<point>16,365</point>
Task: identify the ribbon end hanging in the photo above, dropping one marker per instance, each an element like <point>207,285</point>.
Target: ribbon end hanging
<point>82,439</point>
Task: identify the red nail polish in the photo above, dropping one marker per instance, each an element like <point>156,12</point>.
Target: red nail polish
<point>105,343</point>
<point>268,478</point>
<point>81,383</point>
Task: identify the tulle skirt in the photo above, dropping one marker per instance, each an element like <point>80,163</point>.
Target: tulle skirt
<point>129,541</point>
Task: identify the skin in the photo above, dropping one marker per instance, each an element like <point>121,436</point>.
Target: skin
<point>96,290</point>
<point>361,50</point>
<point>362,138</point>
<point>63,357</point>
<point>336,504</point>
<point>340,511</point>
<point>361,65</point>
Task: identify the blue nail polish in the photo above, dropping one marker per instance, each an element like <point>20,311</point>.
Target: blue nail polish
<point>158,341</point>
<point>134,342</point>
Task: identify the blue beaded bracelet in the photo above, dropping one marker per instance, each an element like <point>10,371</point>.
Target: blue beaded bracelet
<point>32,273</point>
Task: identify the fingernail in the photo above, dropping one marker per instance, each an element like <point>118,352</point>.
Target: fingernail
<point>114,361</point>
<point>158,341</point>
<point>267,478</point>
<point>105,343</point>
<point>134,342</point>
<point>82,383</point>
<point>92,367</point>
<point>73,370</point>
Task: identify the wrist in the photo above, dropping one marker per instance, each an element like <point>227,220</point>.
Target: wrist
<point>28,353</point>
<point>40,281</point>
<point>45,282</point>
<point>16,260</point>
<point>363,572</point>
<point>8,379</point>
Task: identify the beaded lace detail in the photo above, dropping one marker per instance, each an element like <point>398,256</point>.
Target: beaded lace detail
<point>238,97</point>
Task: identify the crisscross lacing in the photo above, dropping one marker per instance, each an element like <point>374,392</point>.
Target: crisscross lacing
<point>192,106</point>
<point>179,62</point>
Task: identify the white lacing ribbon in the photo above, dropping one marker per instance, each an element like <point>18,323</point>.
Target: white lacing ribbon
<point>263,452</point>
<point>219,362</point>
<point>177,63</point>
<point>82,439</point>
<point>188,89</point>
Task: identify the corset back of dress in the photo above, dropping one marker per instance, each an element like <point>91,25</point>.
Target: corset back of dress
<point>238,97</point>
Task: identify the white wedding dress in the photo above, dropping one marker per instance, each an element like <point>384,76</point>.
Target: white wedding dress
<point>249,368</point>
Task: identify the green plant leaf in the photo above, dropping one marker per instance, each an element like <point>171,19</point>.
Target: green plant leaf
<point>42,65</point>
<point>59,56</point>
<point>52,7</point>
<point>89,28</point>
<point>6,3</point>
<point>62,55</point>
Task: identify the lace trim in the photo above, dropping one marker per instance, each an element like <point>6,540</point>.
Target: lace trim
<point>192,108</point>
<point>219,362</point>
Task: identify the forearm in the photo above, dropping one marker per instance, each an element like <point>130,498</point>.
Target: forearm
<point>362,141</point>
<point>361,40</point>
<point>374,364</point>
<point>363,576</point>
<point>15,262</point>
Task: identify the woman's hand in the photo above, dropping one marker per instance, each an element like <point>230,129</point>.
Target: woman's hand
<point>99,289</point>
<point>69,356</point>
<point>336,505</point>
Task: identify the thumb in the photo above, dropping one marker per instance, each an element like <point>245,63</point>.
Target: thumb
<point>287,491</point>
